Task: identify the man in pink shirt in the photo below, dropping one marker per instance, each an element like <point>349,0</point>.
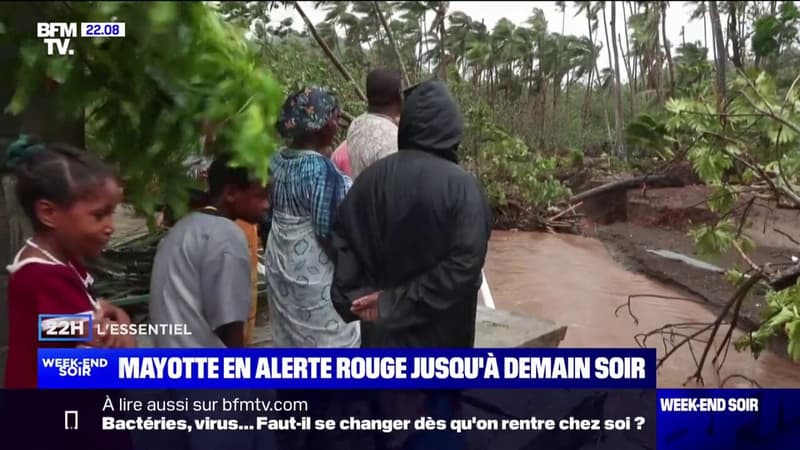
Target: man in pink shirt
<point>341,160</point>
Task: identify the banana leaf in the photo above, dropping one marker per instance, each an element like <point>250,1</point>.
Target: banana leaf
<point>123,270</point>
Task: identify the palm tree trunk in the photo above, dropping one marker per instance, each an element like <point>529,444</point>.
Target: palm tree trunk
<point>587,99</point>
<point>543,108</point>
<point>667,49</point>
<point>342,69</point>
<point>605,103</point>
<point>713,36</point>
<point>716,28</point>
<point>441,13</point>
<point>617,86</point>
<point>392,42</point>
<point>733,35</point>
<point>635,60</point>
<point>567,85</point>
<point>631,92</point>
<point>608,39</point>
<point>424,32</point>
<point>742,27</point>
<point>556,93</point>
<point>378,45</point>
<point>600,86</point>
<point>631,75</point>
<point>657,59</point>
<point>587,103</point>
<point>419,54</point>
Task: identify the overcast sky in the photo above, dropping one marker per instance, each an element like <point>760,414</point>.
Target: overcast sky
<point>677,16</point>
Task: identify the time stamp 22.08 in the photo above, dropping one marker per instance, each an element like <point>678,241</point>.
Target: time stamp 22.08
<point>58,36</point>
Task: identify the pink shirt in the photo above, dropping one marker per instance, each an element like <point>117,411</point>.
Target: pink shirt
<point>341,160</point>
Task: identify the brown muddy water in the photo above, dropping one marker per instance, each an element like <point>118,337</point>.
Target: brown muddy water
<point>574,281</point>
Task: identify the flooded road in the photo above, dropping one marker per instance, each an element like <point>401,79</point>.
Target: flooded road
<point>573,281</point>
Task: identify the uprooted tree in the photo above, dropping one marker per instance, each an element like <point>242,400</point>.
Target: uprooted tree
<point>748,144</point>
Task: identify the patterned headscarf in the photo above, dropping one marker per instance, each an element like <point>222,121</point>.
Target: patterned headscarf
<point>306,112</point>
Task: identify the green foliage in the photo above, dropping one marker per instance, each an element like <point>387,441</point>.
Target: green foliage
<point>723,199</point>
<point>502,161</point>
<point>693,69</point>
<point>714,239</point>
<point>648,134</point>
<point>760,131</point>
<point>773,31</point>
<point>575,158</point>
<point>505,165</point>
<point>296,61</point>
<point>782,315</point>
<point>147,95</point>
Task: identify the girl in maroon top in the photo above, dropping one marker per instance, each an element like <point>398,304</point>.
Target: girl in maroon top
<point>69,197</point>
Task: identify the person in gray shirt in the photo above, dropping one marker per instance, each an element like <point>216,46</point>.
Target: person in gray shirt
<point>201,272</point>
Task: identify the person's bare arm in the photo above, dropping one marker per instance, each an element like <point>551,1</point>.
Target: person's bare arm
<point>232,334</point>
<point>227,290</point>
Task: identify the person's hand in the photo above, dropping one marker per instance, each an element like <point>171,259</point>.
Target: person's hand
<point>366,307</point>
<point>103,338</point>
<point>100,336</point>
<point>114,313</point>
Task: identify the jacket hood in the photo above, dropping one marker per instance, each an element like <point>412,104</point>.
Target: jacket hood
<point>431,121</point>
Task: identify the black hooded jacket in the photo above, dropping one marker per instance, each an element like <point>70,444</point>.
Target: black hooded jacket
<point>415,226</point>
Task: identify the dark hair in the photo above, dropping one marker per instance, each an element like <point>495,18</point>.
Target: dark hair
<point>221,174</point>
<point>56,172</point>
<point>384,87</point>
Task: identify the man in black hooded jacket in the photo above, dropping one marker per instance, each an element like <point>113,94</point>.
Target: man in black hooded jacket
<point>411,236</point>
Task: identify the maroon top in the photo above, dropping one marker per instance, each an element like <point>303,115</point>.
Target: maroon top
<point>39,288</point>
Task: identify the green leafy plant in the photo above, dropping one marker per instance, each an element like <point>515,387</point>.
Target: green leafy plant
<point>505,165</point>
<point>773,31</point>
<point>650,136</point>
<point>781,314</point>
<point>756,138</point>
<point>147,95</point>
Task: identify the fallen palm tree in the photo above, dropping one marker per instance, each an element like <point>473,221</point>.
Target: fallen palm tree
<point>122,273</point>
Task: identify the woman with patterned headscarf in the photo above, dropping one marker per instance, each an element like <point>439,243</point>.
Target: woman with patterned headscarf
<point>306,189</point>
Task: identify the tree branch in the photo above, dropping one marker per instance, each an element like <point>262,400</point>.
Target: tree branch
<point>768,112</point>
<point>392,42</point>
<point>342,69</point>
<point>786,235</point>
<point>656,180</point>
<point>736,301</point>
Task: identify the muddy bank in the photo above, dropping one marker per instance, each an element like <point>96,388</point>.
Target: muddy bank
<point>574,281</point>
<point>632,224</point>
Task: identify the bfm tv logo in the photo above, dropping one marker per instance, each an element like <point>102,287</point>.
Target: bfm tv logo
<point>57,36</point>
<point>65,327</point>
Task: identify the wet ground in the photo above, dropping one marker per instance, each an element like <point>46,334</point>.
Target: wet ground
<point>663,219</point>
<point>575,281</point>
